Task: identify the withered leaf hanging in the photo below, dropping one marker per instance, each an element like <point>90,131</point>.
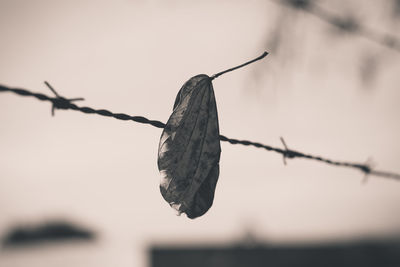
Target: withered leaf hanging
<point>189,149</point>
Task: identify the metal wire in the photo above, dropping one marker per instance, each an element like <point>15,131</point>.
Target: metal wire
<point>349,25</point>
<point>59,102</point>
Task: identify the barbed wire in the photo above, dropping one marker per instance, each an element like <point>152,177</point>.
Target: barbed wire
<point>346,24</point>
<point>59,102</point>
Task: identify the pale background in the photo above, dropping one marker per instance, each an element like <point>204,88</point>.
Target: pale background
<point>327,93</point>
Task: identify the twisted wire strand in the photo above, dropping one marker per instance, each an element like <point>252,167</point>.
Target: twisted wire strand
<point>345,24</point>
<point>63,103</point>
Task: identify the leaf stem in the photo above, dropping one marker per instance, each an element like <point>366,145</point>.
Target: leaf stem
<point>237,67</point>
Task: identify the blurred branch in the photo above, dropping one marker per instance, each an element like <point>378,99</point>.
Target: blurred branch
<point>60,102</point>
<point>345,24</point>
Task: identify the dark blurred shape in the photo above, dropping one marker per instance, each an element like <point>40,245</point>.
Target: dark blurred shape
<point>348,24</point>
<point>396,8</point>
<point>58,231</point>
<point>391,41</point>
<point>301,4</point>
<point>359,254</point>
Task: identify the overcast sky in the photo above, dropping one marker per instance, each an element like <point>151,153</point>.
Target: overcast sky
<point>327,93</point>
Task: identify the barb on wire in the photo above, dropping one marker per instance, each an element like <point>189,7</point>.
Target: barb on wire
<point>286,153</point>
<point>59,101</point>
<point>371,164</point>
<point>346,24</point>
<point>63,103</point>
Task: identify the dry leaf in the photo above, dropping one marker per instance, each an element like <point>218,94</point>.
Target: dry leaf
<point>189,150</point>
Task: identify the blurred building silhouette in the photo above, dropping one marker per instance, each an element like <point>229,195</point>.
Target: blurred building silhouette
<point>359,254</point>
<point>49,231</point>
